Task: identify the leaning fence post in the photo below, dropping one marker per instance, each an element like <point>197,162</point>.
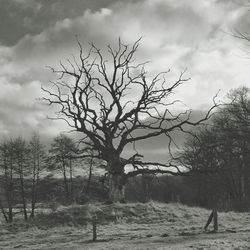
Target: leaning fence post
<point>213,216</point>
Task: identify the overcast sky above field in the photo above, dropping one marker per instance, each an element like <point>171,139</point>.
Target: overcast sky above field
<point>181,34</point>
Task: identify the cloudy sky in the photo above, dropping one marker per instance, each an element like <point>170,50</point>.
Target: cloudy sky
<point>176,35</point>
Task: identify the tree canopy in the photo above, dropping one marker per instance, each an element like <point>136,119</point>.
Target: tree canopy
<point>114,102</point>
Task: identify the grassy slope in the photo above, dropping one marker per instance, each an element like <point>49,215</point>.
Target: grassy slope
<point>129,226</point>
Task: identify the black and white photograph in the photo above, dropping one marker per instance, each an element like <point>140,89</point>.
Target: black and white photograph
<point>125,124</point>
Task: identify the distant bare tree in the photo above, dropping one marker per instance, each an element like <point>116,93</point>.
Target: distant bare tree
<point>62,152</point>
<point>7,166</point>
<point>90,163</point>
<point>223,147</point>
<point>115,103</point>
<point>37,160</point>
<point>21,154</point>
<point>147,181</point>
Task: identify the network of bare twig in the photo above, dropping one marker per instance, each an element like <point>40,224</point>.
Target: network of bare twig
<point>115,103</point>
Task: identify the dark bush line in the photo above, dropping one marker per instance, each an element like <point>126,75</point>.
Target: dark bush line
<point>193,191</point>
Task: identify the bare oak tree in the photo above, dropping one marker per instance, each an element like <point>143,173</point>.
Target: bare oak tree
<point>114,103</point>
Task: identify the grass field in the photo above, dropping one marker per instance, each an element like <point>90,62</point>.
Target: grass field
<point>128,226</point>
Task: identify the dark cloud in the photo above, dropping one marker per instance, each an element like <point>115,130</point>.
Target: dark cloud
<point>22,17</point>
<point>176,34</point>
<point>157,148</point>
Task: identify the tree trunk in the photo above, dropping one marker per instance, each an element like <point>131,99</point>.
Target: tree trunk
<point>8,186</point>
<point>10,214</point>
<point>66,186</point>
<point>89,177</point>
<point>37,178</point>
<point>3,212</point>
<point>10,196</point>
<point>116,188</point>
<point>33,194</point>
<point>21,179</point>
<point>71,181</point>
<point>242,187</point>
<point>23,199</point>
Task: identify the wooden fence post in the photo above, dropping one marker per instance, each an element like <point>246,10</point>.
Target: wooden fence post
<point>94,221</point>
<point>213,216</point>
<point>215,220</point>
